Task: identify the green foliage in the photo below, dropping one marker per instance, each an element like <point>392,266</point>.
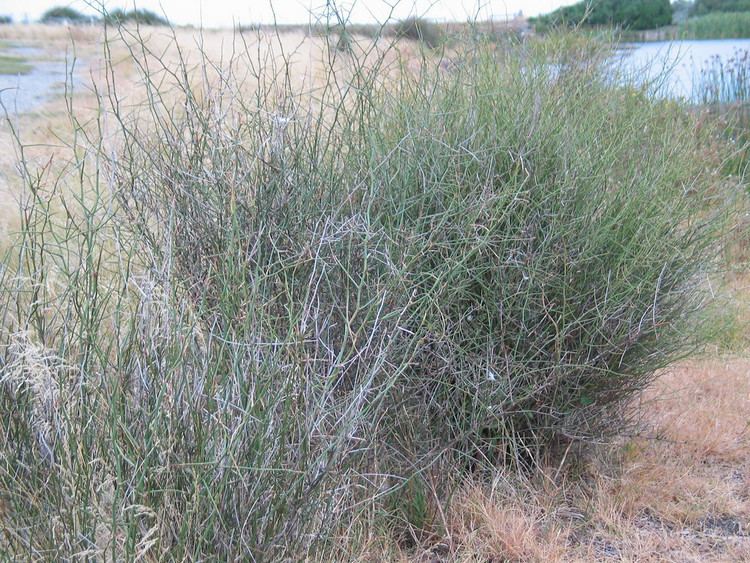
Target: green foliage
<point>410,509</point>
<point>726,325</point>
<point>482,185</point>
<point>5,20</point>
<point>14,65</point>
<point>64,13</point>
<point>419,29</point>
<point>716,26</point>
<point>142,17</point>
<point>703,7</point>
<point>630,14</point>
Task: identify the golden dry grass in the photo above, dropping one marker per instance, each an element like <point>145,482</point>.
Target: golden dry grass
<point>51,35</point>
<point>678,491</point>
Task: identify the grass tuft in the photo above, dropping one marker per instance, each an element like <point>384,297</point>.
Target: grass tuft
<point>14,65</point>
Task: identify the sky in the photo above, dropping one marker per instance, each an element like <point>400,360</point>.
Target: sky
<point>219,13</point>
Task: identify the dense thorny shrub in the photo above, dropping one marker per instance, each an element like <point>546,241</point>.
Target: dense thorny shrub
<point>294,299</point>
<point>535,255</point>
<point>556,252</point>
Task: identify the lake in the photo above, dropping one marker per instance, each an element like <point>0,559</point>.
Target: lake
<point>648,61</point>
<point>683,60</point>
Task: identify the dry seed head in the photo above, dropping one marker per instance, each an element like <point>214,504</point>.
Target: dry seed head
<point>33,369</point>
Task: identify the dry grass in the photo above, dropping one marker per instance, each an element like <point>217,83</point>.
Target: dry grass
<point>681,490</point>
<point>51,35</point>
<point>676,492</point>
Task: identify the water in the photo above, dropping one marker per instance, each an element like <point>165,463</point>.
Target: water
<point>28,92</point>
<point>682,59</point>
<point>646,62</point>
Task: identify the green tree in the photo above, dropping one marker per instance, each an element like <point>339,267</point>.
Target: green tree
<point>63,13</point>
<point>143,17</point>
<point>703,7</point>
<point>631,14</point>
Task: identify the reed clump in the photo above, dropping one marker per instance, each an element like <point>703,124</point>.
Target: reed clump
<point>734,25</point>
<point>724,82</point>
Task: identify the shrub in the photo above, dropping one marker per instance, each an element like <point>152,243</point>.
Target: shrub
<point>142,17</point>
<point>64,14</point>
<point>282,309</point>
<point>5,20</point>
<point>419,29</point>
<point>519,343</point>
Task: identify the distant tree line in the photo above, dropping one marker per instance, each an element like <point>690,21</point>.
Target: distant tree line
<point>630,14</point>
<point>65,14</point>
<point>703,7</point>
<point>143,17</point>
